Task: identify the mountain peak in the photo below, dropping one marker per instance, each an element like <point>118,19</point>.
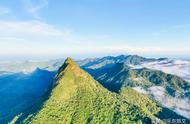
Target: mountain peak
<point>70,65</point>
<point>70,61</point>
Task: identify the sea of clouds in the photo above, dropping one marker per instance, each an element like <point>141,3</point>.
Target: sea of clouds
<point>180,68</point>
<point>158,93</point>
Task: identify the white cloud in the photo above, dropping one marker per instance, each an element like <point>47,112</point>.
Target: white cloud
<point>140,90</point>
<point>176,67</point>
<point>28,28</point>
<point>30,37</point>
<point>39,38</point>
<point>34,8</point>
<point>4,10</point>
<point>179,105</point>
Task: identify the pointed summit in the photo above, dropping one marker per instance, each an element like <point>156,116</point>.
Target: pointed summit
<point>70,65</point>
<point>70,61</point>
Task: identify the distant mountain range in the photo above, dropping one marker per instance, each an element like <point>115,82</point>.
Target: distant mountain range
<point>114,88</point>
<point>177,67</point>
<point>110,60</point>
<point>52,65</point>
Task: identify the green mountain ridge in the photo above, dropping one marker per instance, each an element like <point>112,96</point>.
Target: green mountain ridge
<point>121,78</point>
<point>76,98</point>
<point>121,75</point>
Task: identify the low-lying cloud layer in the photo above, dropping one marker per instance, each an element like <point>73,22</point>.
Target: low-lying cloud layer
<point>180,106</point>
<point>176,67</point>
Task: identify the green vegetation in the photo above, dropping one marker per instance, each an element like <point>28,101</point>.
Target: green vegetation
<point>140,100</point>
<point>162,79</point>
<point>121,78</point>
<point>76,98</point>
<point>121,75</point>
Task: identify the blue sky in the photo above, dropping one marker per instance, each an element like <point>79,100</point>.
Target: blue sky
<point>81,28</point>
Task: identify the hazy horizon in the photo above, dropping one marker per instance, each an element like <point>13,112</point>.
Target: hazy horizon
<point>80,57</point>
